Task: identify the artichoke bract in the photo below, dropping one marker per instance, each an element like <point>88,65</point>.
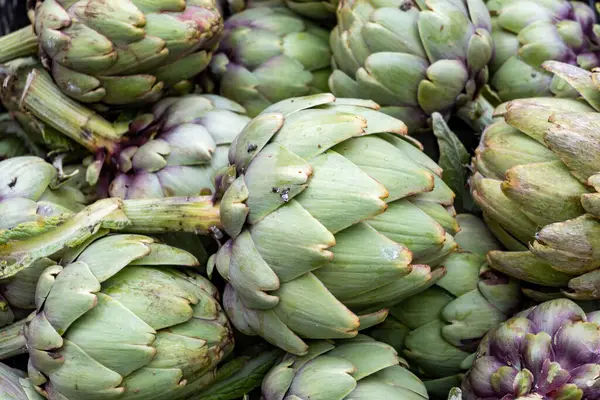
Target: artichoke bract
<point>412,57</point>
<point>125,52</point>
<point>527,32</point>
<point>334,209</point>
<point>118,318</point>
<point>11,139</point>
<point>14,385</point>
<point>548,351</point>
<point>536,180</point>
<point>268,55</point>
<point>359,368</point>
<point>438,330</point>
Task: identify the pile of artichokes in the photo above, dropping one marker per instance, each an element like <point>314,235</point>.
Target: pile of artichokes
<point>299,200</point>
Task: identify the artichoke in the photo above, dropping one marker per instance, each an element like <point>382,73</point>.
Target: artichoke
<point>550,351</point>
<point>359,368</point>
<point>268,55</point>
<point>334,209</point>
<point>438,329</point>
<point>122,53</point>
<point>176,149</point>
<point>527,32</point>
<point>413,57</point>
<point>536,180</point>
<point>173,150</point>
<point>15,386</point>
<point>118,318</point>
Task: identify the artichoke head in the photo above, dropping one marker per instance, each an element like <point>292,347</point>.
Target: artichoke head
<point>319,179</point>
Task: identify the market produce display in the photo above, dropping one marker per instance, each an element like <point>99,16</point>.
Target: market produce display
<point>299,200</point>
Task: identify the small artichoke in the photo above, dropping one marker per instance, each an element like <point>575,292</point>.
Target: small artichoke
<point>177,149</point>
<point>118,52</point>
<point>413,57</point>
<point>536,180</point>
<point>268,55</point>
<point>318,179</point>
<point>437,330</point>
<point>550,351</point>
<point>359,368</point>
<point>528,32</point>
<point>119,318</point>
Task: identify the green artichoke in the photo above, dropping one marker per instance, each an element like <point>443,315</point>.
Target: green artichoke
<point>536,180</point>
<point>125,52</point>
<point>268,55</point>
<point>117,318</point>
<point>359,368</point>
<point>438,329</point>
<point>550,351</point>
<point>14,385</point>
<point>319,179</point>
<point>527,32</point>
<point>413,57</point>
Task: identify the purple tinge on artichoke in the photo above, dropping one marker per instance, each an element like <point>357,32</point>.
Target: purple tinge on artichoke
<point>550,351</point>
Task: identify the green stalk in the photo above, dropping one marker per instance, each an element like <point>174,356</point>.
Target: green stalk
<point>42,98</point>
<point>197,215</point>
<point>23,245</point>
<point>21,43</point>
<point>478,114</point>
<point>12,340</point>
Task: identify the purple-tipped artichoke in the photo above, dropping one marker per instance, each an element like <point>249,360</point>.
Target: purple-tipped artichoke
<point>550,351</point>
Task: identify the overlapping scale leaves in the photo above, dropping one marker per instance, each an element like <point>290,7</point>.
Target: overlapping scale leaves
<point>334,210</point>
<point>269,54</point>
<point>177,149</point>
<point>536,181</point>
<point>412,57</point>
<point>15,385</point>
<point>359,368</point>
<point>120,52</point>
<point>438,329</point>
<point>550,351</point>
<point>125,317</point>
<point>527,32</point>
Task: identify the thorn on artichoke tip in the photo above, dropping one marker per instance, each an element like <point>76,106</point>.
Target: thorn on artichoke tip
<point>252,147</point>
<point>407,5</point>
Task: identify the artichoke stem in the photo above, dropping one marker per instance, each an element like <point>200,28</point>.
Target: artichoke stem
<point>42,98</point>
<point>21,43</point>
<point>199,215</point>
<point>12,340</point>
<point>478,114</point>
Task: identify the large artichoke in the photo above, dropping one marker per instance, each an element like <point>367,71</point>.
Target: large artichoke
<point>413,57</point>
<point>438,329</point>
<point>359,368</point>
<point>118,318</point>
<point>550,351</point>
<point>268,55</point>
<point>333,207</point>
<point>122,52</point>
<point>527,32</point>
<point>536,180</point>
